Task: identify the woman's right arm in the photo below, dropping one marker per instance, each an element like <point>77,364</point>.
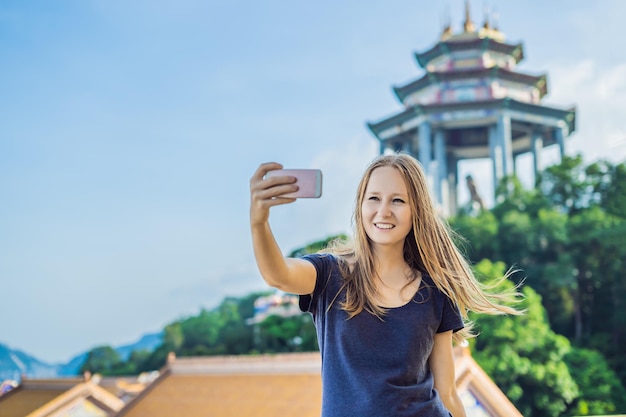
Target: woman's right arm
<point>291,275</point>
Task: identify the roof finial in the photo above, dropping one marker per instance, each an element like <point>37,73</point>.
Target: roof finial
<point>447,25</point>
<point>495,17</point>
<point>486,25</point>
<point>468,25</point>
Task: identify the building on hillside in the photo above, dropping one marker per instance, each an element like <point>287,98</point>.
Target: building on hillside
<point>472,103</point>
<point>279,385</point>
<point>279,304</point>
<point>72,397</point>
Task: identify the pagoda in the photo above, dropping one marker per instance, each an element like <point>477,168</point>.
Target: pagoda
<point>472,103</point>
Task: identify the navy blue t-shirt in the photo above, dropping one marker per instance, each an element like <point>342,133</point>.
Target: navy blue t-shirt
<point>372,367</point>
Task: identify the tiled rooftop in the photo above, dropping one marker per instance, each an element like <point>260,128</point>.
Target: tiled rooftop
<point>232,395</point>
<point>31,395</point>
<point>224,386</point>
<point>273,385</point>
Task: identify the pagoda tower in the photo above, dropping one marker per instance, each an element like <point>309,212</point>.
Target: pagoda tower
<point>472,103</point>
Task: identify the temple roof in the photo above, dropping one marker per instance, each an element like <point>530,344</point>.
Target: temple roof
<point>410,117</point>
<point>469,42</point>
<point>486,38</point>
<point>55,397</point>
<point>430,78</point>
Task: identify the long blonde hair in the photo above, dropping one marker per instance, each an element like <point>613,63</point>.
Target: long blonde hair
<point>428,248</point>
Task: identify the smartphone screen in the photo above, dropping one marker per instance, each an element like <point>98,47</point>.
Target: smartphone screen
<point>309,182</point>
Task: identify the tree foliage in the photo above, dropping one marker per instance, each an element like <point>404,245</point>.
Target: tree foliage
<point>524,356</point>
<point>317,245</point>
<point>539,370</point>
<point>568,235</point>
<point>224,330</point>
<point>105,360</point>
<point>602,393</point>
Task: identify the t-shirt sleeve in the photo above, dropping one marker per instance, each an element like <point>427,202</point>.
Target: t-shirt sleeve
<point>450,318</point>
<point>323,264</point>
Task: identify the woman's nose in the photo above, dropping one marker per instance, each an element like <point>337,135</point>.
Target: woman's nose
<point>385,209</point>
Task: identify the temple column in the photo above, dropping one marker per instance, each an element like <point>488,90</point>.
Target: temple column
<point>504,128</point>
<point>442,171</point>
<point>415,144</point>
<point>407,147</point>
<point>425,150</point>
<point>452,168</point>
<point>500,149</point>
<point>383,147</point>
<point>536,147</point>
<point>559,137</point>
<point>495,153</point>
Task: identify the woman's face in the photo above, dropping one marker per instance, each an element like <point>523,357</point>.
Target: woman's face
<point>385,210</point>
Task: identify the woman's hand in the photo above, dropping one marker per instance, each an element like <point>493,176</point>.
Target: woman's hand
<point>295,276</point>
<point>441,364</point>
<point>266,192</point>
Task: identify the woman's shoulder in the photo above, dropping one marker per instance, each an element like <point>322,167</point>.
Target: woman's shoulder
<point>322,256</point>
<point>323,260</point>
<point>438,295</point>
<point>429,283</point>
<point>330,256</point>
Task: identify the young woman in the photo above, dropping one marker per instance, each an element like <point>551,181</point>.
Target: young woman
<point>386,306</point>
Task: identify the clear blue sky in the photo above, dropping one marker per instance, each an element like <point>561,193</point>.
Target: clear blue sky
<point>129,130</point>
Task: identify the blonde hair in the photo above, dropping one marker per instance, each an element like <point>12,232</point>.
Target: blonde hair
<point>428,248</point>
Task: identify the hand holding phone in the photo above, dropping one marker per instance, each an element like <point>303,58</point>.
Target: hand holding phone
<point>309,181</point>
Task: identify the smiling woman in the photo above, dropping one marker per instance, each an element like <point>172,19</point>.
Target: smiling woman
<point>386,306</point>
<point>386,214</point>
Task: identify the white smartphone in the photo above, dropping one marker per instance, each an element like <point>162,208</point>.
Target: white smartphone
<point>309,181</point>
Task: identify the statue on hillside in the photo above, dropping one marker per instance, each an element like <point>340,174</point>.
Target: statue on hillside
<point>475,199</point>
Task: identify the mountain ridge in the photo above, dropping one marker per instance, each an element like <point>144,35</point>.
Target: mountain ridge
<point>15,363</point>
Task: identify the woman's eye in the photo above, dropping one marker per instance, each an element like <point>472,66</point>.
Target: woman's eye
<point>373,198</point>
<point>398,200</point>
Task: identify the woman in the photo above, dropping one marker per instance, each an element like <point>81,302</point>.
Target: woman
<point>387,306</point>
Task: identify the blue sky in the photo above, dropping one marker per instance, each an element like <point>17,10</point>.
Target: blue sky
<point>129,131</point>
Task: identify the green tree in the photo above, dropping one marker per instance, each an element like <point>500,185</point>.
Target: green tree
<point>317,245</point>
<point>201,334</point>
<point>477,235</point>
<point>608,182</point>
<point>539,370</point>
<point>235,335</point>
<point>137,360</point>
<point>103,360</point>
<point>601,390</point>
<point>565,185</point>
<point>568,235</point>
<point>287,334</point>
<point>523,356</point>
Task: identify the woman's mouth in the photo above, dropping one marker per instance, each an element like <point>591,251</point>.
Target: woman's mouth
<point>384,226</point>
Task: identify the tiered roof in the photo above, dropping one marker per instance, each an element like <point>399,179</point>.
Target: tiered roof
<point>469,43</point>
<point>436,78</point>
<point>469,66</point>
<point>470,79</point>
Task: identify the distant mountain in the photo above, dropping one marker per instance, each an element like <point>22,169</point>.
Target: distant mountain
<point>147,342</point>
<point>72,368</point>
<point>14,363</point>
